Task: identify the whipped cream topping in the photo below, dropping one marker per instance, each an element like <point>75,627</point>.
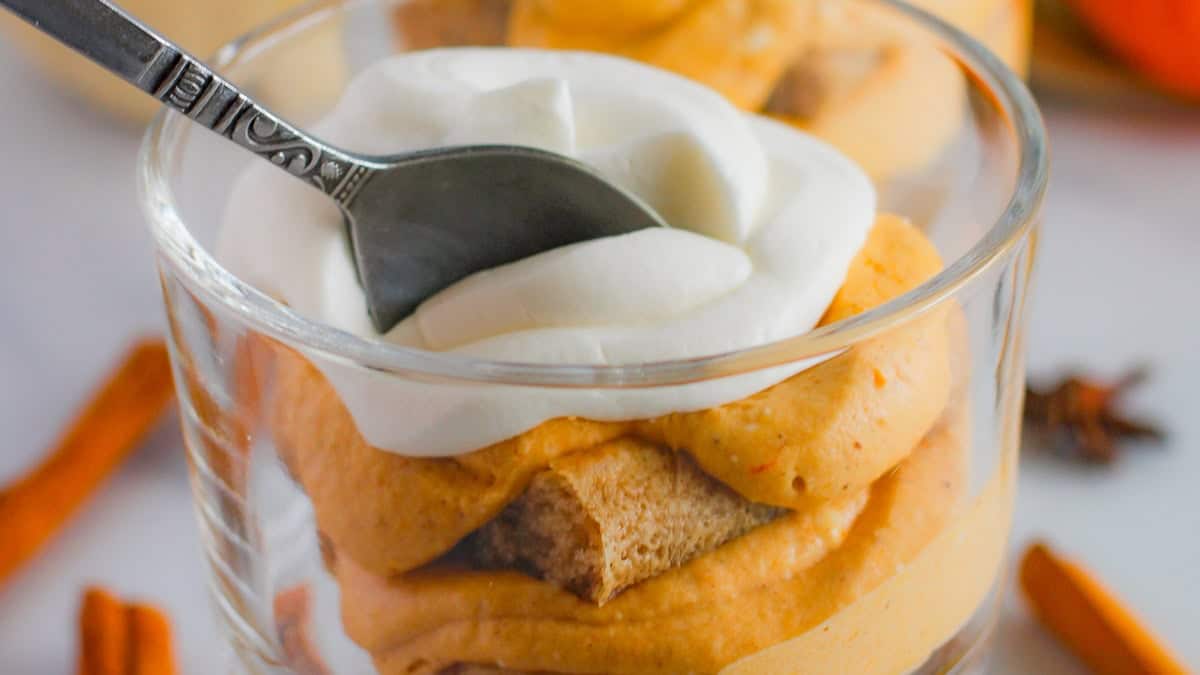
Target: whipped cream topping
<point>765,221</point>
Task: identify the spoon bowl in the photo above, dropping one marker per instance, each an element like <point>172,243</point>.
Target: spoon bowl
<point>428,220</point>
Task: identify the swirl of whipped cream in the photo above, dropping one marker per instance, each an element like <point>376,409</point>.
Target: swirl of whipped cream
<point>765,221</point>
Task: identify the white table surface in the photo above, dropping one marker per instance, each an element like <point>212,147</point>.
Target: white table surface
<point>1117,285</point>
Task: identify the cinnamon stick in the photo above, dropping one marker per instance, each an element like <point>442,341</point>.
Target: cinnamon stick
<point>103,634</point>
<point>118,638</point>
<point>151,652</point>
<point>1089,619</point>
<point>106,431</point>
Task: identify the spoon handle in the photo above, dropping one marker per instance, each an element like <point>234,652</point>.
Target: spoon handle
<point>112,38</point>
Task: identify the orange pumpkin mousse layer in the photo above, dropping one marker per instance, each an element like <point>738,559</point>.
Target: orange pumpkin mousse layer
<point>692,542</point>
<point>847,72</point>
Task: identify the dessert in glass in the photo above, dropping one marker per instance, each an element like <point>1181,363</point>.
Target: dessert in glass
<point>778,436</point>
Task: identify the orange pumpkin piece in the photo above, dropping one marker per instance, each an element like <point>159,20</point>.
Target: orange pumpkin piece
<point>1161,38</point>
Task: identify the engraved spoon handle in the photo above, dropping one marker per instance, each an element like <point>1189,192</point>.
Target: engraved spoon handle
<point>125,46</point>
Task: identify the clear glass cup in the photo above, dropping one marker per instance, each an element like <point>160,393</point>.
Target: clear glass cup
<point>906,472</point>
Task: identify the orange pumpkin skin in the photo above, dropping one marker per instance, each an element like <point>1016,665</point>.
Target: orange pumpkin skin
<point>1161,38</point>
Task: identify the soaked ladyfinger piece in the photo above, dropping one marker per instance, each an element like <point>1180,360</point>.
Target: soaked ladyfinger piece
<point>600,520</point>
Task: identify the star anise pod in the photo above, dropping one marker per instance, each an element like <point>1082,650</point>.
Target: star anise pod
<point>1080,417</point>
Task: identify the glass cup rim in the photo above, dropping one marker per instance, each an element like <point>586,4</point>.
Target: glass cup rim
<point>203,275</point>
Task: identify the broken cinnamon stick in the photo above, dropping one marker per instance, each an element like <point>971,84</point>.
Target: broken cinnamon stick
<point>1090,620</point>
<point>109,427</point>
<point>118,638</point>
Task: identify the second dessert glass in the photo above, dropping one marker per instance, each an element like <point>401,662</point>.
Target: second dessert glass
<point>893,460</point>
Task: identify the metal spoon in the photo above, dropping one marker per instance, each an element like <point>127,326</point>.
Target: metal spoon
<point>418,222</point>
